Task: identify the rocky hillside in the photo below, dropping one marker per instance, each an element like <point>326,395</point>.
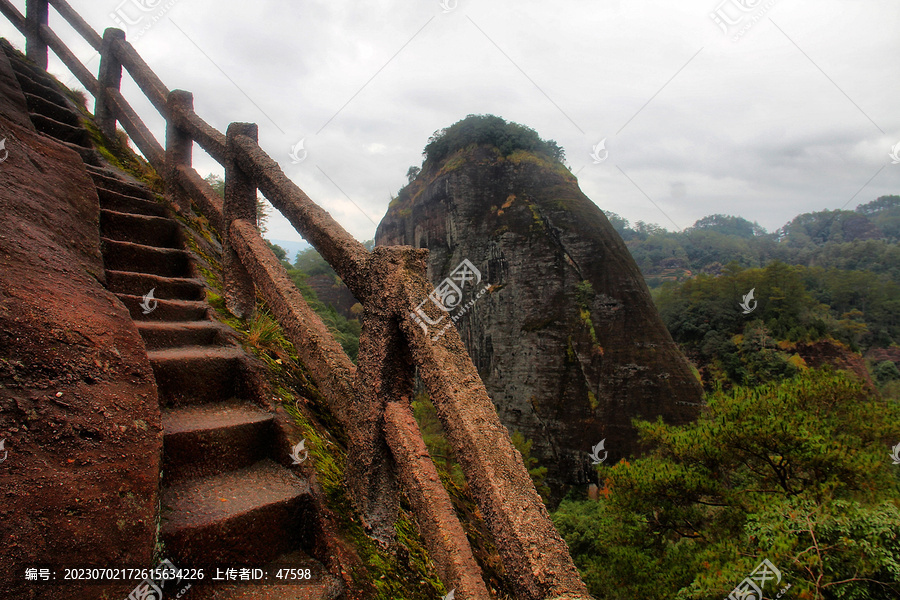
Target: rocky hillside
<point>555,313</point>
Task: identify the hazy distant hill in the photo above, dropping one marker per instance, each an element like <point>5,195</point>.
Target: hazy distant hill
<point>865,238</point>
<point>292,248</point>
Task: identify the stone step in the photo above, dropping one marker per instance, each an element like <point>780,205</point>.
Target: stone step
<point>24,68</point>
<point>160,309</point>
<point>30,84</point>
<point>167,288</point>
<point>63,114</point>
<point>213,438</point>
<point>138,258</point>
<point>159,232</point>
<point>159,335</point>
<point>90,156</point>
<point>119,202</point>
<point>66,133</point>
<point>194,375</point>
<point>247,516</point>
<point>103,178</point>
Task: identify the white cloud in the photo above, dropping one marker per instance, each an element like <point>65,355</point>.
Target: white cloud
<point>777,123</point>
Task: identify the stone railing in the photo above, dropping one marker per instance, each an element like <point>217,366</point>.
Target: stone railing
<point>371,400</point>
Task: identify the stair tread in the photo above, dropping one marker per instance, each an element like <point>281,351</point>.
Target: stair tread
<point>152,230</point>
<point>206,417</point>
<point>105,179</point>
<point>151,276</point>
<point>208,500</point>
<point>135,216</point>
<point>159,249</point>
<point>124,195</point>
<point>194,353</point>
<point>135,205</point>
<point>176,325</point>
<point>61,113</point>
<point>174,301</point>
<point>171,333</point>
<point>61,131</point>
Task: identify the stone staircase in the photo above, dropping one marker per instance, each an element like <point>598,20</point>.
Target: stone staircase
<point>225,499</point>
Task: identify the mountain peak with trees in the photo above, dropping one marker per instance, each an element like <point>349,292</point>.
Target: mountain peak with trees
<point>488,130</point>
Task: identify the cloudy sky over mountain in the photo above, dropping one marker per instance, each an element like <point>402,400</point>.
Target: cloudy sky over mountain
<point>784,106</point>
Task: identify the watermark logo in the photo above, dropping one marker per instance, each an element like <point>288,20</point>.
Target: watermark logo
<point>298,152</point>
<point>5,152</point>
<point>599,152</point>
<point>450,596</point>
<point>297,450</point>
<point>746,303</point>
<point>166,575</point>
<point>736,14</point>
<point>895,455</point>
<point>751,587</point>
<point>6,452</point>
<point>447,297</point>
<point>144,13</point>
<point>895,154</point>
<point>149,304</point>
<point>595,453</point>
<point>449,5</point>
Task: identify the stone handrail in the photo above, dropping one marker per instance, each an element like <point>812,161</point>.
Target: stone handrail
<point>371,400</point>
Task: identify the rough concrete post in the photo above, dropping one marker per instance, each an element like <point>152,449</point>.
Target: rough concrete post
<point>179,147</point>
<point>535,557</point>
<point>384,373</point>
<point>109,76</point>
<point>444,537</point>
<point>240,203</point>
<point>37,13</point>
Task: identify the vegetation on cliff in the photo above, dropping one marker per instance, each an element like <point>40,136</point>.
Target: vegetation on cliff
<point>827,275</point>
<point>797,472</point>
<point>488,130</point>
<point>787,463</point>
<point>794,305</point>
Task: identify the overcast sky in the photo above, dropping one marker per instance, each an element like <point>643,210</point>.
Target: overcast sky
<point>783,107</point>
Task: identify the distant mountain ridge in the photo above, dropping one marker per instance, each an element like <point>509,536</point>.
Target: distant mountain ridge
<point>865,238</point>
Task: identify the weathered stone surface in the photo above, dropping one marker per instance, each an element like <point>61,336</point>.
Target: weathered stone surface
<point>436,517</point>
<point>12,100</point>
<point>535,557</point>
<point>533,553</point>
<point>567,368</point>
<point>78,406</point>
<point>836,355</point>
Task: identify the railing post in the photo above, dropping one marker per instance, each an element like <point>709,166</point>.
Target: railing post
<point>179,146</point>
<point>384,372</point>
<point>240,203</point>
<point>109,76</point>
<point>37,13</point>
<point>534,555</point>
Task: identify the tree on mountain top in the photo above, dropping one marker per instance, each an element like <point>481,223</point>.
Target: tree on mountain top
<point>490,130</point>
